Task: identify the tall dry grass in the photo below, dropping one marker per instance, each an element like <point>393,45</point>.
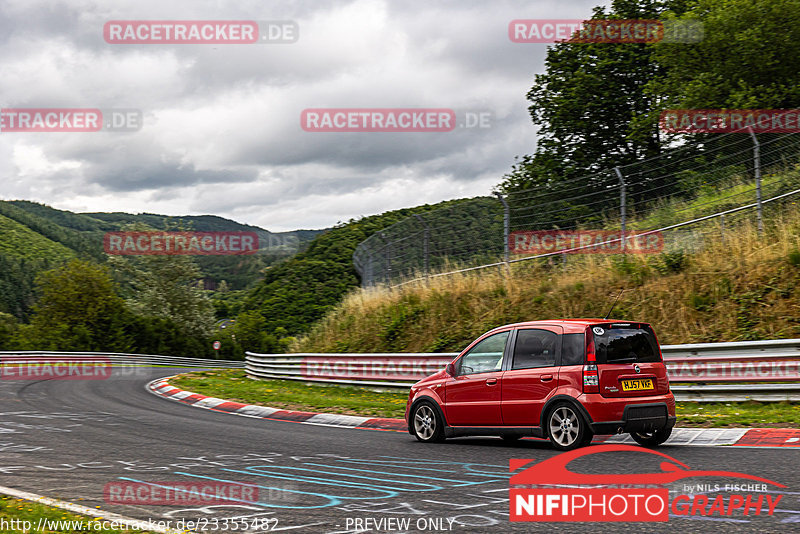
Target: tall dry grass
<point>745,286</point>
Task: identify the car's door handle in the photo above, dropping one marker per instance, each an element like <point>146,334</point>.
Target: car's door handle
<point>491,381</point>
<point>547,378</point>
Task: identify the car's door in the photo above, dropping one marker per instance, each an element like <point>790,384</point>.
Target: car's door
<point>531,376</point>
<point>472,396</point>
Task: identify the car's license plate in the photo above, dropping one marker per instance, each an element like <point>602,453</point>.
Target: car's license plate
<point>637,385</point>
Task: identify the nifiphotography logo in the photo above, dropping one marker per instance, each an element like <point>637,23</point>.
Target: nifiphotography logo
<point>548,491</point>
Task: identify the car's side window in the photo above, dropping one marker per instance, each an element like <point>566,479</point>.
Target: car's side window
<point>573,349</point>
<point>534,348</point>
<point>485,357</point>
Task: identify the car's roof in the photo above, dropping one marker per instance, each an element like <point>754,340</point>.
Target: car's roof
<point>573,323</point>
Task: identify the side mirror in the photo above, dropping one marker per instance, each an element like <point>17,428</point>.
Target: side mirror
<point>450,369</point>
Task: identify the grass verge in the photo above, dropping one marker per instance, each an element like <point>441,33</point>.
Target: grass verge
<point>739,414</point>
<point>234,385</point>
<point>19,515</point>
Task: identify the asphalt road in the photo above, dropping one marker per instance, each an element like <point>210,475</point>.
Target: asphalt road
<point>69,439</point>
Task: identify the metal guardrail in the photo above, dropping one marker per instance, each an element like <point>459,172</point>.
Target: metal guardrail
<point>702,372</point>
<point>120,359</point>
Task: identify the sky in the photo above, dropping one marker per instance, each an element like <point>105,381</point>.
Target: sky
<point>221,129</point>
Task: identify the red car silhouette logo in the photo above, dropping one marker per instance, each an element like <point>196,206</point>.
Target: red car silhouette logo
<point>553,471</point>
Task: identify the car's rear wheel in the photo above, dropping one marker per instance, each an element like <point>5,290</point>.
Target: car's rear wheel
<point>652,439</point>
<point>566,427</point>
<point>427,424</point>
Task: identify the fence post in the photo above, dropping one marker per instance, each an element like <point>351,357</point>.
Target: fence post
<point>371,270</point>
<point>387,256</point>
<point>366,280</point>
<point>506,222</point>
<point>425,247</point>
<point>622,213</point>
<point>722,227</point>
<point>757,168</point>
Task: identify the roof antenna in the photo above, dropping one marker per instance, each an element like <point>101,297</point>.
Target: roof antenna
<point>621,291</point>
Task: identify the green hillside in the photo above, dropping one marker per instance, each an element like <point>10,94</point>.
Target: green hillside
<point>23,254</point>
<point>21,242</point>
<point>34,237</point>
<point>297,293</point>
<point>745,287</point>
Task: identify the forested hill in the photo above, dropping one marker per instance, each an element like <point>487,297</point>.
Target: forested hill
<point>296,293</point>
<point>35,237</point>
<point>287,295</point>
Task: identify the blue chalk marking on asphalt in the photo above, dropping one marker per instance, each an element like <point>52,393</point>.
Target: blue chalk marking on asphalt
<point>430,486</point>
<point>375,480</point>
<point>371,485</point>
<point>503,470</point>
<point>325,482</point>
<point>457,483</point>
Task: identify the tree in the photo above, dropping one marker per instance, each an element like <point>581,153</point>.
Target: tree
<point>586,104</point>
<point>8,329</point>
<point>252,334</point>
<point>168,287</point>
<point>78,310</point>
<point>748,59</point>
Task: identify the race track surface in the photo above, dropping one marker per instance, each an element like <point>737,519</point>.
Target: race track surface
<point>68,439</point>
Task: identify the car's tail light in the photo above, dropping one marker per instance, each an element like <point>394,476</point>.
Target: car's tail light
<point>591,380</point>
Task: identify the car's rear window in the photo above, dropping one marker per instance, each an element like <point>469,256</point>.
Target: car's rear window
<point>625,344</point>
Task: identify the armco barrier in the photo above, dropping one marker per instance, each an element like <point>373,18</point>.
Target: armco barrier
<point>737,371</point>
<point>121,359</point>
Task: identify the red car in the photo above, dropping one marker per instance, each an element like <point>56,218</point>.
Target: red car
<point>565,380</point>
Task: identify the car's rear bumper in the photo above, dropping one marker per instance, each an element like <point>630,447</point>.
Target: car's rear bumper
<point>644,414</point>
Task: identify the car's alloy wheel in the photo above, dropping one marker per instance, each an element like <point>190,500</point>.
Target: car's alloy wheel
<point>427,423</point>
<point>566,428</point>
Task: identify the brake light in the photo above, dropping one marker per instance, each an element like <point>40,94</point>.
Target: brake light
<point>591,380</point>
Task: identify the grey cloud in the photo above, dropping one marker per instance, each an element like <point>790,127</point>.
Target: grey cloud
<point>227,117</point>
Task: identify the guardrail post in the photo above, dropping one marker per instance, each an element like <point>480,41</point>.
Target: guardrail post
<point>506,224</point>
<point>757,172</point>
<point>425,247</point>
<point>622,213</point>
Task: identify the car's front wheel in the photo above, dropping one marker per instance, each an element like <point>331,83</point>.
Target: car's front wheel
<point>652,439</point>
<point>566,428</point>
<point>427,424</point>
